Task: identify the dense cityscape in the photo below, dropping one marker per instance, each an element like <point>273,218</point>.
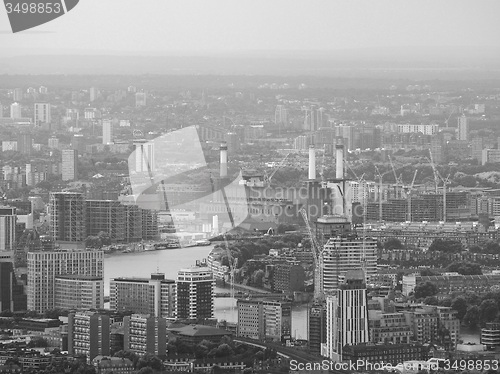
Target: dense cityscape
<point>375,212</point>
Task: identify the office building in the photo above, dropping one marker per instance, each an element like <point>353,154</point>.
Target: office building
<point>344,253</point>
<point>286,278</point>
<point>107,216</point>
<point>69,164</point>
<point>15,111</point>
<point>264,319</point>
<point>389,328</point>
<point>140,99</point>
<point>53,142</point>
<point>490,335</point>
<point>67,216</point>
<point>463,128</point>
<point>145,334</point>
<point>281,115</point>
<point>144,157</point>
<point>107,131</point>
<point>155,296</point>
<point>25,143</point>
<point>17,94</point>
<point>79,292</point>
<point>44,267</point>
<point>88,334</point>
<point>7,228</point>
<point>346,316</point>
<point>93,94</point>
<point>317,327</point>
<point>41,114</point>
<point>12,296</point>
<point>108,365</point>
<point>195,293</point>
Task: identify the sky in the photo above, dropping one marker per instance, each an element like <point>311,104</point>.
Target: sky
<point>215,26</point>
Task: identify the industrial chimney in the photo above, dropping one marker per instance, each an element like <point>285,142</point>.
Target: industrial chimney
<point>339,156</point>
<point>223,160</point>
<point>312,163</point>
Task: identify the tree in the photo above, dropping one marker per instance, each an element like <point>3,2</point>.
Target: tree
<point>472,317</point>
<point>488,310</point>
<point>393,243</point>
<point>93,242</point>
<point>146,370</point>
<point>258,277</point>
<point>431,300</point>
<point>465,268</point>
<point>460,305</point>
<point>426,289</point>
<point>446,246</point>
<point>427,272</point>
<point>224,350</point>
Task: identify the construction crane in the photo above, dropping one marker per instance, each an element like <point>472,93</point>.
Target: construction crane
<point>280,165</point>
<point>233,263</point>
<point>316,252</point>
<point>410,190</point>
<point>397,179</point>
<point>452,111</point>
<point>434,171</point>
<point>446,181</point>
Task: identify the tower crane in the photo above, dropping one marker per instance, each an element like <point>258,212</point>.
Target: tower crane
<point>316,251</point>
<point>446,181</point>
<point>410,190</point>
<point>397,179</point>
<point>233,262</point>
<point>280,165</point>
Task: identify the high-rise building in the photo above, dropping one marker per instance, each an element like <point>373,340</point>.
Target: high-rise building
<point>317,327</point>
<point>144,157</point>
<point>195,293</point>
<point>140,99</point>
<point>264,319</point>
<point>463,128</point>
<point>107,131</point>
<point>344,253</point>
<point>44,267</point>
<point>15,111</point>
<point>107,216</point>
<point>7,228</point>
<point>25,143</point>
<point>477,146</point>
<point>12,296</point>
<point>69,164</point>
<point>79,292</point>
<point>94,93</point>
<point>145,334</point>
<point>155,296</point>
<point>346,316</point>
<point>41,114</point>
<point>17,94</point>
<point>67,216</point>
<point>88,334</point>
<point>281,115</point>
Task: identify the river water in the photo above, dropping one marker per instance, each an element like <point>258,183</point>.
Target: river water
<point>142,264</point>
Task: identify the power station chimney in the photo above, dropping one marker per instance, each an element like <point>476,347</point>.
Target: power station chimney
<point>312,163</point>
<point>339,169</point>
<point>223,160</point>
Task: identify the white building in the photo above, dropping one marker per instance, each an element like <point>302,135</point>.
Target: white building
<point>344,253</point>
<point>463,128</point>
<point>107,131</point>
<point>426,129</point>
<point>144,157</point>
<point>41,113</point>
<point>7,228</point>
<point>346,316</point>
<point>44,267</point>
<point>15,111</point>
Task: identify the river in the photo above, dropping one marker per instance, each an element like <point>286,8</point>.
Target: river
<point>142,264</point>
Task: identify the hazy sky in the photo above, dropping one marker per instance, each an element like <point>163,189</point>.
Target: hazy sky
<point>229,25</point>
